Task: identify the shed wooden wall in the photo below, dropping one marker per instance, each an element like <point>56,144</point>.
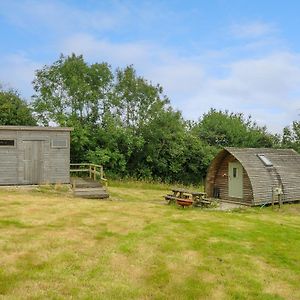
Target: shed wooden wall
<point>8,160</point>
<point>219,180</point>
<point>56,161</point>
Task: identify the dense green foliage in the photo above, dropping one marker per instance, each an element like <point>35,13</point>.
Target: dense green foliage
<point>126,123</point>
<point>14,110</point>
<point>121,121</point>
<point>291,136</point>
<point>223,129</point>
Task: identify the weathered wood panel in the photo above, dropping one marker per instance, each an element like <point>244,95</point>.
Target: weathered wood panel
<point>221,181</point>
<point>23,164</point>
<point>33,162</point>
<point>8,159</point>
<point>59,160</point>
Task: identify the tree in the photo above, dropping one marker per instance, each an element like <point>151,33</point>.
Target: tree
<point>291,136</point>
<point>137,101</point>
<point>70,90</point>
<point>160,155</point>
<point>14,110</point>
<point>106,109</point>
<point>72,93</point>
<point>124,122</point>
<point>221,129</point>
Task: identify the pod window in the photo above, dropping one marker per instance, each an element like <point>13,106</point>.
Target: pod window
<point>234,172</point>
<point>59,143</point>
<point>7,143</point>
<point>265,160</point>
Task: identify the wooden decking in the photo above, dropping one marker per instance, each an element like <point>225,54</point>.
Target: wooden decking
<point>93,171</point>
<point>85,187</point>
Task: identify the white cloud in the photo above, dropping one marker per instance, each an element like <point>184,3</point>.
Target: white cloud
<point>255,29</point>
<point>17,71</point>
<point>267,88</point>
<point>58,16</point>
<point>180,76</point>
<point>158,64</point>
<point>103,50</point>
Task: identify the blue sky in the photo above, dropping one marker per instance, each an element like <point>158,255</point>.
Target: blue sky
<point>239,55</point>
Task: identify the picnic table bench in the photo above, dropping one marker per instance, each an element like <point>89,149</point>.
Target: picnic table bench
<point>185,197</point>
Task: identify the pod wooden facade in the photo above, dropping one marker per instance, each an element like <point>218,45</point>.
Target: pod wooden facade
<point>34,155</point>
<point>254,176</point>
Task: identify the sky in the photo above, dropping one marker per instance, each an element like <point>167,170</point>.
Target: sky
<point>236,55</point>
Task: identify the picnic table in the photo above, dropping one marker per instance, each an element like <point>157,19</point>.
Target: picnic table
<point>186,198</point>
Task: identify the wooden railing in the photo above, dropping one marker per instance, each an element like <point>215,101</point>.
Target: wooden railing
<point>94,171</point>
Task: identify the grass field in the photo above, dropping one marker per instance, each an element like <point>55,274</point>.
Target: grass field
<point>136,247</point>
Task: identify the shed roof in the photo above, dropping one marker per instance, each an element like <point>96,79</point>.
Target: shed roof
<point>285,171</point>
<point>35,128</point>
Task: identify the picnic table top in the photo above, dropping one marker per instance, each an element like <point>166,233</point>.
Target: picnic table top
<point>187,191</point>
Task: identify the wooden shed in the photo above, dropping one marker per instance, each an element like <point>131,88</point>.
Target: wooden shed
<point>34,155</point>
<point>254,176</point>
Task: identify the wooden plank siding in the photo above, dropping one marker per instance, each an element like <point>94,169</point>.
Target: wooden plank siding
<point>259,180</point>
<point>220,181</point>
<point>8,159</point>
<point>54,163</point>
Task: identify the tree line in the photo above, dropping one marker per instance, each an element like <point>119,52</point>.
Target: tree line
<point>126,123</point>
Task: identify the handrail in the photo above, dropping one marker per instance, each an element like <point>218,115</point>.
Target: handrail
<point>92,169</point>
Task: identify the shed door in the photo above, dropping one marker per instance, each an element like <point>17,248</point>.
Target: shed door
<point>33,162</point>
<point>235,180</point>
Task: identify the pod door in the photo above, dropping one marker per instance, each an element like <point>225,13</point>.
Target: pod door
<point>33,162</point>
<point>235,180</point>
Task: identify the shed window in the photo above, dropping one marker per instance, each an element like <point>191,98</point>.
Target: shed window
<point>265,160</point>
<point>59,143</point>
<point>234,171</point>
<point>7,143</point>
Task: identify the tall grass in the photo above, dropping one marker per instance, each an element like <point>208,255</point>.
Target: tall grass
<point>152,185</point>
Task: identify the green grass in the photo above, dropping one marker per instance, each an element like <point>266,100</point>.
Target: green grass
<point>137,247</point>
<point>149,185</point>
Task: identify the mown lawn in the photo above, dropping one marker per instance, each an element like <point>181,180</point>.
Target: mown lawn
<point>136,247</point>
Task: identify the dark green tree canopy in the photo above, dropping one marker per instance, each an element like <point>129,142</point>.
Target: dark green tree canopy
<point>222,129</point>
<point>291,136</point>
<point>14,110</point>
<point>126,123</point>
<point>70,90</point>
<point>114,114</point>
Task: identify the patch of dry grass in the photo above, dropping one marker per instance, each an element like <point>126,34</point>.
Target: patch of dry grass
<point>136,247</point>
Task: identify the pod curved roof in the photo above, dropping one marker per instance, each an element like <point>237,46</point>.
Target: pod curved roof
<point>267,169</point>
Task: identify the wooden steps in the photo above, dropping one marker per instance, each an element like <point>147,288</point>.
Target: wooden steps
<point>91,193</point>
<point>88,188</point>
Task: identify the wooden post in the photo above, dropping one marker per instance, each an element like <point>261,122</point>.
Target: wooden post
<point>101,172</point>
<point>90,170</point>
<point>202,184</point>
<point>279,200</point>
<point>95,175</point>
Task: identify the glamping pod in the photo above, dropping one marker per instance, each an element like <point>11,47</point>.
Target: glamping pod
<point>34,155</point>
<point>254,176</point>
